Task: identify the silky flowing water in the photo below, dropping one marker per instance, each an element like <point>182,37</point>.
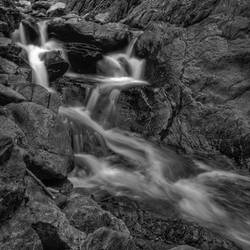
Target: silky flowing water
<point>215,199</point>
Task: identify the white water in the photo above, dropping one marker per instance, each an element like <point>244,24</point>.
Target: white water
<point>34,53</point>
<point>209,198</point>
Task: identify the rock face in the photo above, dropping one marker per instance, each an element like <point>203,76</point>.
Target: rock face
<point>49,141</point>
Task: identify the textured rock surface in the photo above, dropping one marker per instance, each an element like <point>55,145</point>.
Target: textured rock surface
<point>49,142</point>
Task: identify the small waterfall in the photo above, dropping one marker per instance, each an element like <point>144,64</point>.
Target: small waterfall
<point>215,199</point>
<point>34,53</point>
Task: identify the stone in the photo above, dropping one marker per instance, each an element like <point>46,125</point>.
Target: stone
<point>50,153</point>
<point>107,37</point>
<point>87,216</point>
<point>8,95</point>
<point>105,238</point>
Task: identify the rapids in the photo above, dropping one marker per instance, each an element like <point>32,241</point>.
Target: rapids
<point>215,199</point>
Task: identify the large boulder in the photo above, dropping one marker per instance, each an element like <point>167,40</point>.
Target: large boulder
<point>85,41</point>
<point>49,142</point>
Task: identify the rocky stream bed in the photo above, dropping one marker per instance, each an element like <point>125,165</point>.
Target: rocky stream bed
<point>197,55</point>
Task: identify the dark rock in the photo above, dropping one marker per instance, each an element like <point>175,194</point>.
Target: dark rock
<point>107,37</point>
<point>12,173</point>
<point>83,57</point>
<point>8,95</point>
<point>50,153</point>
<point>55,64</point>
<point>87,216</point>
<point>44,220</point>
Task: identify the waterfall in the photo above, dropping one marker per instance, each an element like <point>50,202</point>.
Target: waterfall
<point>215,199</point>
<point>35,52</point>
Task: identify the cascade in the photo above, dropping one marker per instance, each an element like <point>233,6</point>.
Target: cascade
<point>155,174</point>
<point>35,52</point>
<point>207,196</point>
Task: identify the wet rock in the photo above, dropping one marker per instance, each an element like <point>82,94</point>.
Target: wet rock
<point>50,153</point>
<point>8,95</point>
<point>12,172</point>
<point>107,37</point>
<point>55,63</point>
<point>57,9</point>
<point>87,216</point>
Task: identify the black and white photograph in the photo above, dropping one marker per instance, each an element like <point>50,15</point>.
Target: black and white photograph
<point>124,124</point>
